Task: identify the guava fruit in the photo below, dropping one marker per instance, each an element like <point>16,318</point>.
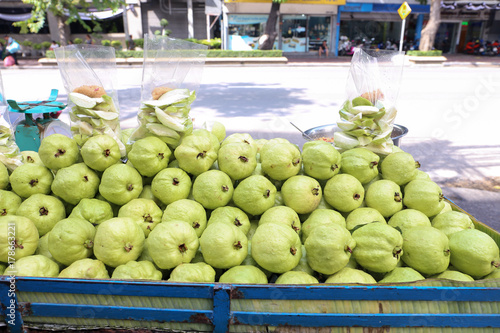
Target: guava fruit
<point>254,224</point>
<point>195,154</point>
<point>100,151</point>
<point>43,210</point>
<point>118,240</point>
<point>360,163</point>
<point>454,275</point>
<point>378,247</point>
<point>402,274</point>
<point>30,178</point>
<point>71,239</point>
<point>244,274</point>
<point>276,248</point>
<point>319,217</point>
<point>351,275</point>
<point>493,275</point>
<point>280,161</point>
<point>408,218</point>
<point>4,177</point>
<point>43,249</point>
<point>239,138</point>
<point>30,156</point>
<point>147,193</point>
<point>34,265</point>
<point>216,128</point>
<point>451,222</point>
<point>344,192</point>
<point>385,196</point>
<point>206,133</point>
<point>172,243</point>
<point>85,269</point>
<point>18,237</point>
<point>223,245</point>
<point>94,211</point>
<point>301,193</point>
<point>446,208</point>
<point>213,189</point>
<point>320,159</point>
<point>399,167</point>
<point>137,270</point>
<point>171,184</point>
<point>120,183</point>
<point>303,265</point>
<point>361,216</point>
<point>58,151</point>
<point>188,211</point>
<point>196,272</point>
<point>426,249</point>
<point>283,215</point>
<point>149,155</point>
<point>9,202</point>
<point>425,196</point>
<point>237,160</point>
<point>144,211</point>
<point>296,277</point>
<point>254,195</point>
<point>474,252</point>
<point>328,248</point>
<point>230,215</point>
<point>75,183</point>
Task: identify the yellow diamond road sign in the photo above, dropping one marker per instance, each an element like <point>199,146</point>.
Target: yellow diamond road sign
<point>404,10</point>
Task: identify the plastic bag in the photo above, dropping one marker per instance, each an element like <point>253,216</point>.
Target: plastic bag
<point>10,154</point>
<point>9,61</point>
<point>172,72</point>
<point>88,73</point>
<point>367,116</point>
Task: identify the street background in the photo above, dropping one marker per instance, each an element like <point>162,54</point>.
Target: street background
<point>451,112</point>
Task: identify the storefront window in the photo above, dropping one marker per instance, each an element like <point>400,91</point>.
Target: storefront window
<point>318,30</point>
<point>474,30</point>
<point>371,33</point>
<point>245,30</point>
<point>293,33</point>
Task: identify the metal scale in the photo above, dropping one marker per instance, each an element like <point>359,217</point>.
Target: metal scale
<point>30,132</point>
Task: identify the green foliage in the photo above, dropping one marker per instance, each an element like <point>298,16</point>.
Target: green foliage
<point>163,22</point>
<point>39,9</point>
<point>37,46</point>
<point>105,42</point>
<point>27,43</point>
<point>78,41</point>
<point>433,53</point>
<point>139,42</point>
<point>214,43</point>
<point>116,44</point>
<point>46,44</point>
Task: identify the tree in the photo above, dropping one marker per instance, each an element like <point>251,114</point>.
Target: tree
<point>428,34</point>
<point>266,41</point>
<point>60,9</point>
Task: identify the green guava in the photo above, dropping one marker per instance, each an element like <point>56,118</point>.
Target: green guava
<point>43,210</point>
<point>196,154</point>
<point>30,178</point>
<point>254,195</point>
<point>426,249</point>
<point>223,245</point>
<point>4,177</point>
<point>425,196</point>
<point>30,156</point>
<point>213,189</point>
<point>282,215</point>
<point>9,202</point>
<point>216,128</point>
<point>237,160</point>
<point>378,247</point>
<point>149,155</point>
<point>144,211</point>
<point>230,215</point>
<point>120,183</point>
<point>43,249</point>
<point>240,138</point>
<point>172,243</point>
<point>329,247</point>
<point>344,192</point>
<point>493,275</point>
<point>303,265</point>
<point>361,216</point>
<point>399,167</point>
<point>277,248</point>
<point>408,218</point>
<point>206,133</point>
<point>301,193</point>
<point>94,211</point>
<point>188,211</point>
<point>454,275</point>
<point>246,274</point>
<point>402,274</point>
<point>71,239</point>
<point>319,217</point>
<point>100,151</point>
<point>360,163</point>
<point>196,272</point>
<point>385,196</point>
<point>58,151</point>
<point>137,270</point>
<point>280,161</point>
<point>320,159</point>
<point>34,265</point>
<point>75,183</point>
<point>351,275</point>
<point>85,269</point>
<point>296,277</point>
<point>171,184</point>
<point>18,237</point>
<point>452,221</point>
<point>118,241</point>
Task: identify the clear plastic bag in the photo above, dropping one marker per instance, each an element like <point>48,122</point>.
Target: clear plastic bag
<point>10,154</point>
<point>88,73</point>
<point>172,72</point>
<point>367,116</point>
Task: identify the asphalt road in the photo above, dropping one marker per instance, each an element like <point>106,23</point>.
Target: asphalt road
<point>451,113</point>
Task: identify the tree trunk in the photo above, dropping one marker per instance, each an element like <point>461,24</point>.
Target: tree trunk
<point>62,30</point>
<point>266,41</point>
<point>429,32</point>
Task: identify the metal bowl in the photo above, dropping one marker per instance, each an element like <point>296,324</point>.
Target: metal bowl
<point>327,131</point>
